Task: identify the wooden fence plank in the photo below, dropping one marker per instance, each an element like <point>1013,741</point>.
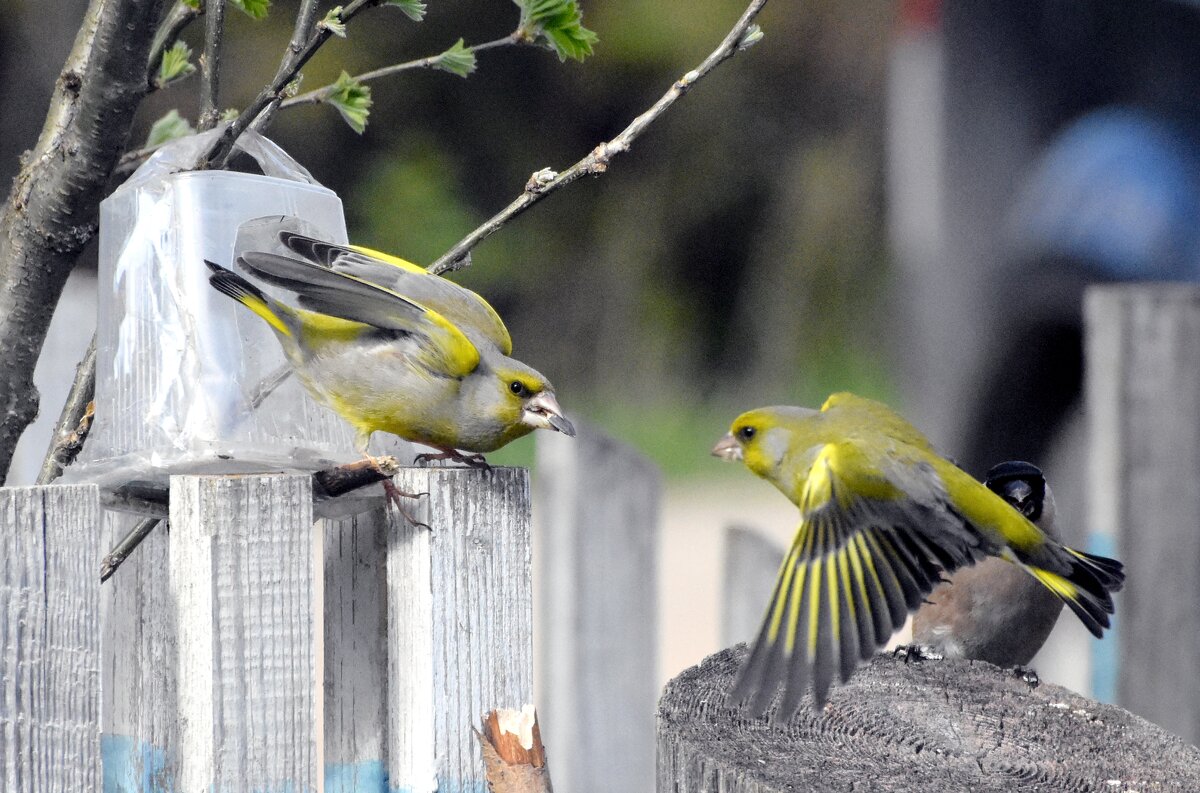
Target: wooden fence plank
<point>137,641</point>
<point>247,577</point>
<point>751,565</point>
<point>597,550</point>
<point>459,622</point>
<point>49,646</point>
<point>355,654</point>
<point>1143,386</point>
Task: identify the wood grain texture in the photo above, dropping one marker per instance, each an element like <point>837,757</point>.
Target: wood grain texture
<point>247,578</point>
<point>1143,391</point>
<point>49,647</point>
<point>459,621</point>
<point>355,653</point>
<point>139,671</point>
<point>598,504</point>
<point>931,726</point>
<point>752,563</point>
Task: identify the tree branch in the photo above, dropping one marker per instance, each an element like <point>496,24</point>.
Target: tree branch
<point>218,155</point>
<point>306,17</point>
<point>543,182</point>
<point>51,211</point>
<point>319,95</point>
<point>210,64</point>
<point>74,422</point>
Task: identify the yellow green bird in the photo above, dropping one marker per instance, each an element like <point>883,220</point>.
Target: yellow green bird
<point>882,517</point>
<point>393,348</point>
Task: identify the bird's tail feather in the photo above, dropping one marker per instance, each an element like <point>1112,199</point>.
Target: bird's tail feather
<point>230,283</point>
<point>1085,587</point>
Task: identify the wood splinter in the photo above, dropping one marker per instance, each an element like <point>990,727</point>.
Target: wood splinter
<point>513,754</point>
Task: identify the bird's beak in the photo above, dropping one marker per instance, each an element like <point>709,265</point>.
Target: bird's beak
<point>542,412</point>
<point>728,448</point>
<point>1020,494</point>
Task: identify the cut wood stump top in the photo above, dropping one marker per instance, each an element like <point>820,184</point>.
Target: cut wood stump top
<point>927,725</point>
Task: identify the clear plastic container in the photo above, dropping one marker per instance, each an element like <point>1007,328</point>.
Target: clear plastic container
<point>180,366</point>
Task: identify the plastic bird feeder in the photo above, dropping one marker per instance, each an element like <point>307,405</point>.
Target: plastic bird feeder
<point>184,374</point>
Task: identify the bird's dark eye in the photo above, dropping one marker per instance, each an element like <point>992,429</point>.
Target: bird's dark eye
<point>518,388</point>
<point>746,433</point>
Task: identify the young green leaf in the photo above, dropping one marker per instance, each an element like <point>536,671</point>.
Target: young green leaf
<point>194,4</point>
<point>255,9</point>
<point>456,60</point>
<point>559,25</point>
<point>413,9</point>
<point>333,22</point>
<point>353,100</point>
<point>169,127</point>
<point>175,64</point>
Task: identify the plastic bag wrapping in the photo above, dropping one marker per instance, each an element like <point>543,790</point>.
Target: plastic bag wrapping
<point>181,368</point>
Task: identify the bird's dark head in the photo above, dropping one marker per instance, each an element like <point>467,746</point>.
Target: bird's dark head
<point>1021,484</point>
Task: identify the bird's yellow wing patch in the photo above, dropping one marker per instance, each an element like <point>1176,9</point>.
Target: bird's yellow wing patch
<point>864,556</point>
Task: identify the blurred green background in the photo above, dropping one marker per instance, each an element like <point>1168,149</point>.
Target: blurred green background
<point>735,257</point>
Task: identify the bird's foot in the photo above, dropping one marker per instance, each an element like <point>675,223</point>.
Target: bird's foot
<point>916,652</point>
<point>386,466</point>
<point>1028,674</point>
<point>454,455</point>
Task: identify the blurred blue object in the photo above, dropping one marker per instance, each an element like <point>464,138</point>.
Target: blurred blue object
<point>1119,191</point>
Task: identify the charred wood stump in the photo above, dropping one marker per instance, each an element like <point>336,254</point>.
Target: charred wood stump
<point>927,725</point>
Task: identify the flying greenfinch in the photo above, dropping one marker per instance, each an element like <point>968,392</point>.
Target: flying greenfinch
<point>393,348</point>
<point>993,611</point>
<point>882,517</point>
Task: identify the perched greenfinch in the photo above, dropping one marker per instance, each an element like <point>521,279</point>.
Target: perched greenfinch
<point>390,347</point>
<point>993,611</point>
<point>882,517</point>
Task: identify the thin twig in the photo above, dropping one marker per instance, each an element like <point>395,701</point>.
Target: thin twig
<point>218,154</point>
<point>178,18</point>
<point>117,556</point>
<point>319,95</point>
<point>546,181</point>
<point>306,17</point>
<point>74,421</point>
<point>210,64</point>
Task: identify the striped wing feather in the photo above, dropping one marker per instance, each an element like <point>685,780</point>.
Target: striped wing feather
<point>856,568</point>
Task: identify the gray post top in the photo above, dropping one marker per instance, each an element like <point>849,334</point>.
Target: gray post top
<point>922,725</point>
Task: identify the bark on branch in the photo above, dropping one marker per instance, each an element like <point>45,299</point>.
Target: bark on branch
<point>52,210</point>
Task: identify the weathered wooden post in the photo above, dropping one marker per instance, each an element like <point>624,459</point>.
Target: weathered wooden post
<point>932,726</point>
<point>460,621</point>
<point>138,647</point>
<point>597,548</point>
<point>1143,391</point>
<point>49,645</point>
<point>752,563</point>
<point>356,652</point>
<point>246,575</point>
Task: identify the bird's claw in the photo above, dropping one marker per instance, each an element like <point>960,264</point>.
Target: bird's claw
<point>916,652</point>
<point>470,460</point>
<point>1028,675</point>
<point>394,496</point>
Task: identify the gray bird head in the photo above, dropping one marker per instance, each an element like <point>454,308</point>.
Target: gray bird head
<point>1024,487</point>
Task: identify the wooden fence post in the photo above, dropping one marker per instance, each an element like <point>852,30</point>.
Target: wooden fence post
<point>356,654</point>
<point>49,645</point>
<point>752,563</point>
<point>1143,391</point>
<point>137,643</point>
<point>460,636</point>
<point>597,546</point>
<point>897,726</point>
<point>247,575</point>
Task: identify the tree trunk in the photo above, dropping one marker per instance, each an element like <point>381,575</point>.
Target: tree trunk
<point>52,210</point>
